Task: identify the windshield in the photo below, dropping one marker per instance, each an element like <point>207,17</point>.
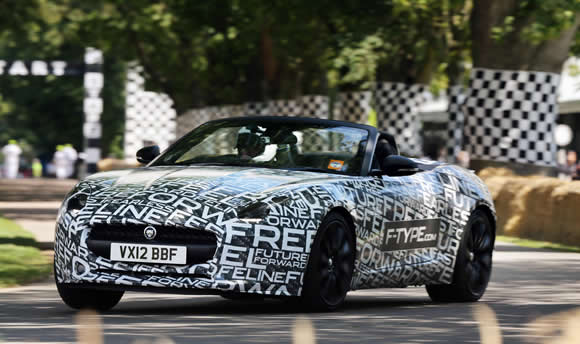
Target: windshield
<point>271,144</point>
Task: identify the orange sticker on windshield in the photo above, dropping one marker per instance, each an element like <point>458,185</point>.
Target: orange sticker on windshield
<point>335,165</point>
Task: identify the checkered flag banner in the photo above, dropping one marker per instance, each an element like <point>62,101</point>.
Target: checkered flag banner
<point>93,107</point>
<point>256,109</point>
<point>314,106</point>
<point>149,116</point>
<point>306,106</point>
<point>353,107</point>
<point>456,122</point>
<point>283,108</point>
<point>511,115</point>
<point>397,107</point>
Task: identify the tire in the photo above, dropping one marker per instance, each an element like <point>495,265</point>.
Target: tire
<point>330,266</point>
<point>81,298</point>
<point>473,266</point>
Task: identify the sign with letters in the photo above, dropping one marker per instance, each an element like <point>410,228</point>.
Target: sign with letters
<point>93,84</point>
<point>405,235</point>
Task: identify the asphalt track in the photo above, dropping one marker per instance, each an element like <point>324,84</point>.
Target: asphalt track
<point>528,286</point>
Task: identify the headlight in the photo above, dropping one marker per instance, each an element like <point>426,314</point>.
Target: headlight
<point>76,203</point>
<point>75,200</point>
<point>259,210</point>
<point>254,212</point>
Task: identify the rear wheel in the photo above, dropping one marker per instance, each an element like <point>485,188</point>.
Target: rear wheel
<point>473,265</point>
<point>331,264</point>
<point>81,298</point>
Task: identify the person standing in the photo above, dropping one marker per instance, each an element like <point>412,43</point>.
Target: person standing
<point>71,156</point>
<point>60,163</point>
<point>11,154</point>
<point>36,168</point>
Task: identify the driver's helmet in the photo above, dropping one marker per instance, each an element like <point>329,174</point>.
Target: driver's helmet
<point>250,142</point>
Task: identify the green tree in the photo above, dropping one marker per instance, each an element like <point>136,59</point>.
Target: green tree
<point>46,111</point>
<point>523,34</point>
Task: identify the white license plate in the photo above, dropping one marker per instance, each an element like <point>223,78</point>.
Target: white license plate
<point>160,254</point>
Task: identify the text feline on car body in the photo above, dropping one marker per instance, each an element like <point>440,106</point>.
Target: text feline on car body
<point>274,206</point>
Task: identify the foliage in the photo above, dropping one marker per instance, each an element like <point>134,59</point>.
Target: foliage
<point>543,20</point>
<point>232,51</point>
<point>405,41</point>
<point>47,111</point>
<point>524,34</point>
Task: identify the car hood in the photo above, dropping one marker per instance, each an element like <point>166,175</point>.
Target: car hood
<point>229,181</point>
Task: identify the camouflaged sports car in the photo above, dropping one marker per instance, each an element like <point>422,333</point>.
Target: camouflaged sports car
<point>276,206</point>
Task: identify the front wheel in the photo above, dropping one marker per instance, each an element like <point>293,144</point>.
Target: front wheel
<point>473,265</point>
<point>81,298</point>
<point>331,264</point>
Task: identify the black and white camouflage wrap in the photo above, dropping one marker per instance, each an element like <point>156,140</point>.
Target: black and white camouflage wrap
<point>408,229</point>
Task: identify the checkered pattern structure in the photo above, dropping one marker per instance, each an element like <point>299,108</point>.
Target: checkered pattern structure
<point>93,108</point>
<point>306,106</point>
<point>256,109</point>
<point>353,107</point>
<point>149,116</point>
<point>397,107</point>
<point>456,122</point>
<point>284,108</point>
<point>314,106</point>
<point>511,115</point>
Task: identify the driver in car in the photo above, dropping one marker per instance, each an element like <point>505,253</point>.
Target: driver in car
<point>249,145</point>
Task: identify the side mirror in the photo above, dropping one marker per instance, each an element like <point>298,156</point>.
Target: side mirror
<point>146,154</point>
<point>396,165</point>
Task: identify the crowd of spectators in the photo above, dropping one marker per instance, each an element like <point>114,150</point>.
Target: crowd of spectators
<point>62,164</point>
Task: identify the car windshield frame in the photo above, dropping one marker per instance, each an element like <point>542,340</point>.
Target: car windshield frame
<point>365,162</point>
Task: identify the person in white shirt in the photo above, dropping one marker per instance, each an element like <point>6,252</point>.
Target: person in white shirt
<point>71,156</point>
<point>11,154</point>
<point>60,163</point>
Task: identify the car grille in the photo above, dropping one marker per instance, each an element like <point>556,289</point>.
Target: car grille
<point>201,245</point>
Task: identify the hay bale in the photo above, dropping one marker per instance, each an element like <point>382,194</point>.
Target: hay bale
<point>110,164</point>
<point>566,218</point>
<point>536,207</point>
<point>489,172</point>
<point>504,192</point>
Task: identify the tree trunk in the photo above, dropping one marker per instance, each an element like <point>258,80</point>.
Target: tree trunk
<point>511,104</point>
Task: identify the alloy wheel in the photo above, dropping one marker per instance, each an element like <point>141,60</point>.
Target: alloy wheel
<point>336,263</point>
<point>479,248</point>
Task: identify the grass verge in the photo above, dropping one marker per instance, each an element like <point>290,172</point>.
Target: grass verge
<point>11,233</point>
<point>538,244</point>
<point>20,261</point>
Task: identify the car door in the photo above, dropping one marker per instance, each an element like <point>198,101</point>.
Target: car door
<point>402,248</point>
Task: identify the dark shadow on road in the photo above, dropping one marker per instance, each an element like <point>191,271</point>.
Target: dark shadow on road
<point>515,248</point>
<point>220,307</point>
